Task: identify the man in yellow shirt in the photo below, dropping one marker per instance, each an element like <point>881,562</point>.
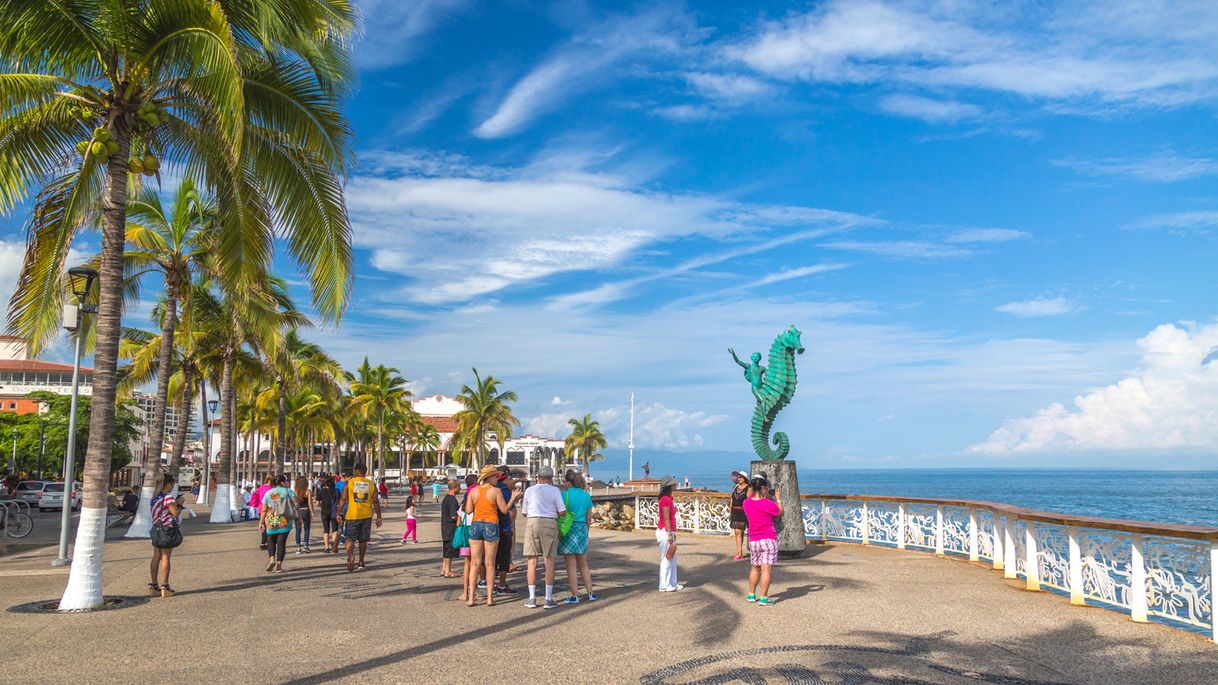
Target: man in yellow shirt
<point>355,509</point>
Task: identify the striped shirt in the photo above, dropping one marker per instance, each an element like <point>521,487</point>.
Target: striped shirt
<point>160,510</point>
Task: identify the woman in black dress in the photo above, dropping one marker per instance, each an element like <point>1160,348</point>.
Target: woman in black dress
<point>739,523</point>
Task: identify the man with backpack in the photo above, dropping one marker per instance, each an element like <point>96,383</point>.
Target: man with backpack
<point>356,507</point>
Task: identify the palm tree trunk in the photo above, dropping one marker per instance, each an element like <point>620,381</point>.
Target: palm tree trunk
<point>84,588</point>
<point>380,445</point>
<point>221,510</point>
<point>141,525</point>
<point>184,406</point>
<point>281,448</point>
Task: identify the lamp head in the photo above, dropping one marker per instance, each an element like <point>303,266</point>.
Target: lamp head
<point>82,278</point>
<point>212,404</point>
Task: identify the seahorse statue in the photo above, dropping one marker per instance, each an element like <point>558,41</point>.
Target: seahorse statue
<point>773,386</point>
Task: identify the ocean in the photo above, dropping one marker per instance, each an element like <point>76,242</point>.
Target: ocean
<point>1162,495</point>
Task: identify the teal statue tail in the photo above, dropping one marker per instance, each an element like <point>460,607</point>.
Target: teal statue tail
<point>765,452</point>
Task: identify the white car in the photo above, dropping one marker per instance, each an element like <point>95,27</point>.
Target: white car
<point>52,496</point>
<point>29,491</point>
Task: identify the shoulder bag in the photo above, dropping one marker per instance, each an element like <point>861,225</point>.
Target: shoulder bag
<point>567,518</point>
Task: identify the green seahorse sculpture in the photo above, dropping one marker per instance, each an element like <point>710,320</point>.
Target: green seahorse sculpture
<point>773,388</point>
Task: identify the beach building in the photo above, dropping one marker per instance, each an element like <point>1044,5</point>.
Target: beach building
<point>20,375</point>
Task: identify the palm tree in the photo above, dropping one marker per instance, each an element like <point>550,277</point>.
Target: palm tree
<point>243,94</point>
<point>296,363</point>
<point>382,392</point>
<point>486,410</point>
<point>585,440</point>
<point>426,439</point>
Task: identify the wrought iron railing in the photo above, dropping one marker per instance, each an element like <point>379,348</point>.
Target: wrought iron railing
<point>1148,570</point>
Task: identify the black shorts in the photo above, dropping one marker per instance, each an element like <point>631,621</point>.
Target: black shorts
<point>503,555</point>
<point>450,552</point>
<point>359,530</point>
<point>328,523</point>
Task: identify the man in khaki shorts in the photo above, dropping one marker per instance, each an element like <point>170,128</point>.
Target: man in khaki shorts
<point>542,505</point>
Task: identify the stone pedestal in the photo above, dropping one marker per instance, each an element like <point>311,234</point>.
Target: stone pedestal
<point>782,477</point>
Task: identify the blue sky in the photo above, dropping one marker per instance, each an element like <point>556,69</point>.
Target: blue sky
<point>993,222</point>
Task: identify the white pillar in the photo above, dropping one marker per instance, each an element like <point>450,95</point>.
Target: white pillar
<point>1137,580</point>
<point>824,532</point>
<point>697,515</point>
<point>1214,588</point>
<point>636,512</point>
<point>1076,567</point>
<point>973,552</point>
<point>866,524</point>
<point>1033,558</point>
<point>901,525</point>
<point>939,529</point>
<point>1008,547</point>
<point>998,551</point>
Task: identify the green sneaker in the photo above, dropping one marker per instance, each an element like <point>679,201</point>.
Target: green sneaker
<point>750,597</point>
<point>766,602</point>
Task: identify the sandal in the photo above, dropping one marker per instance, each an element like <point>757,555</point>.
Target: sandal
<point>167,591</point>
<point>154,590</point>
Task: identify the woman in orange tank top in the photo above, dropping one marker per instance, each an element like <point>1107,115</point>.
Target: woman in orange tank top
<point>485,503</point>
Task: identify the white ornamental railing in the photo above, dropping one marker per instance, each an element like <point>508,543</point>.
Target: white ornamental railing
<point>1165,571</point>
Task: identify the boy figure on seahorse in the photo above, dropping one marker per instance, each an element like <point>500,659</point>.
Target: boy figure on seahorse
<point>753,373</point>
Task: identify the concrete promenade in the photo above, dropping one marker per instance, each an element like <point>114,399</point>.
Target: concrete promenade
<point>846,614</point>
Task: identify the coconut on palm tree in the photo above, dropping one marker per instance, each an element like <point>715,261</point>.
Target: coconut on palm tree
<point>244,96</point>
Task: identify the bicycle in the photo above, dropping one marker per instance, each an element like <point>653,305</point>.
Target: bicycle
<point>15,523</point>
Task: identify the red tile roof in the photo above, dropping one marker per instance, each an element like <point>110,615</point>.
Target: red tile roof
<point>36,365</point>
<point>443,424</point>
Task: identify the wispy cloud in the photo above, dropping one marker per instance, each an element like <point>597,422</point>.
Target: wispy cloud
<point>901,249</point>
<point>395,28</point>
<point>987,235</point>
<point>1086,55</point>
<point>1165,166</point>
<point>1055,306</point>
<point>584,63</point>
<point>928,109</point>
<point>728,87</point>
<point>1202,221</point>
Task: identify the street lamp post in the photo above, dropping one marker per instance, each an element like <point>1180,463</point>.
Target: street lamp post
<point>73,319</point>
<point>204,491</point>
<point>42,444</point>
<point>12,461</point>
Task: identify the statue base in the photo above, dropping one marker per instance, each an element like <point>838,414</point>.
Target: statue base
<point>782,476</point>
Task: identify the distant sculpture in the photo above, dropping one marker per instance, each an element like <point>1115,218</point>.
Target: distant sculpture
<point>647,470</point>
<point>773,389</point>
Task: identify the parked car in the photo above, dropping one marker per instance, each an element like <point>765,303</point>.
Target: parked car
<point>29,491</point>
<point>52,496</point>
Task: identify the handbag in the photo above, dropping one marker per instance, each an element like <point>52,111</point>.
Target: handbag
<point>291,510</point>
<point>567,518</point>
<point>461,535</point>
<point>166,536</point>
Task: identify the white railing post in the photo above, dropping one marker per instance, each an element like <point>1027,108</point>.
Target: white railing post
<point>866,524</point>
<point>636,512</point>
<point>1032,562</point>
<point>824,532</point>
<point>974,553</point>
<point>698,515</point>
<point>939,529</point>
<point>1137,580</point>
<point>1214,589</point>
<point>1076,567</point>
<point>1008,547</point>
<point>901,525</point>
<point>999,556</point>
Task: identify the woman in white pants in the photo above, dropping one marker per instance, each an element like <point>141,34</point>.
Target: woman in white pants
<point>666,536</point>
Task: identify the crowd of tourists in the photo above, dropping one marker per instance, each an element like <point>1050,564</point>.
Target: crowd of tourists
<point>478,526</point>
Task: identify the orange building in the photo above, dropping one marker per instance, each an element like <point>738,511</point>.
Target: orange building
<point>20,375</point>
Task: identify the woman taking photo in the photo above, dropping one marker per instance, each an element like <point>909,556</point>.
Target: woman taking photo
<point>740,492</point>
<point>485,502</point>
<point>304,504</point>
<point>574,545</point>
<point>763,539</point>
<point>277,519</point>
<point>166,535</point>
<point>666,536</point>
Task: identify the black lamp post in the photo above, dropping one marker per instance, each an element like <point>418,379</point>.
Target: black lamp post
<point>82,278</point>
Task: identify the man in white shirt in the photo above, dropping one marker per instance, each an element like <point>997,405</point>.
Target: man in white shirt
<point>542,505</point>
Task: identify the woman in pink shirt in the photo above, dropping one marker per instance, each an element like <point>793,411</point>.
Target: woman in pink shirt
<point>763,539</point>
<point>666,536</point>
<point>256,501</point>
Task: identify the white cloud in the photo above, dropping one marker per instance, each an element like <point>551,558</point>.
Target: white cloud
<point>1165,166</point>
<point>1082,54</point>
<point>901,249</point>
<point>1055,306</point>
<point>584,63</point>
<point>12,254</point>
<point>1169,403</point>
<point>394,28</point>
<point>929,110</point>
<point>656,426</point>
<point>987,235</point>
<point>460,235</point>
<point>729,87</point>
<point>1202,221</point>
<point>686,112</point>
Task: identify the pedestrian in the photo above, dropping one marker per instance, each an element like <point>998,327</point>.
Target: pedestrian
<point>247,496</point>
<point>326,499</point>
<point>267,484</point>
<point>411,531</point>
<point>166,535</point>
<point>382,489</point>
<point>435,491</point>
<point>507,532</point>
<point>449,513</point>
<point>542,505</point>
<point>278,517</point>
<point>763,538</point>
<point>468,581</point>
<point>305,505</point>
<point>574,545</point>
<point>486,504</point>
<point>737,520</point>
<point>666,536</point>
<point>356,508</point>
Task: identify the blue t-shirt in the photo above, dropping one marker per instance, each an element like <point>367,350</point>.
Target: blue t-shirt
<point>505,520</point>
<point>578,502</point>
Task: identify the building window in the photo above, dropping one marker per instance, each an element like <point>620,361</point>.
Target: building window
<point>13,405</point>
<point>515,458</point>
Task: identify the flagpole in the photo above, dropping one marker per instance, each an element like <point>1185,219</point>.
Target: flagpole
<point>631,443</point>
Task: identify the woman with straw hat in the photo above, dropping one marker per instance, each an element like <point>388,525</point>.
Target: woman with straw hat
<point>485,502</point>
